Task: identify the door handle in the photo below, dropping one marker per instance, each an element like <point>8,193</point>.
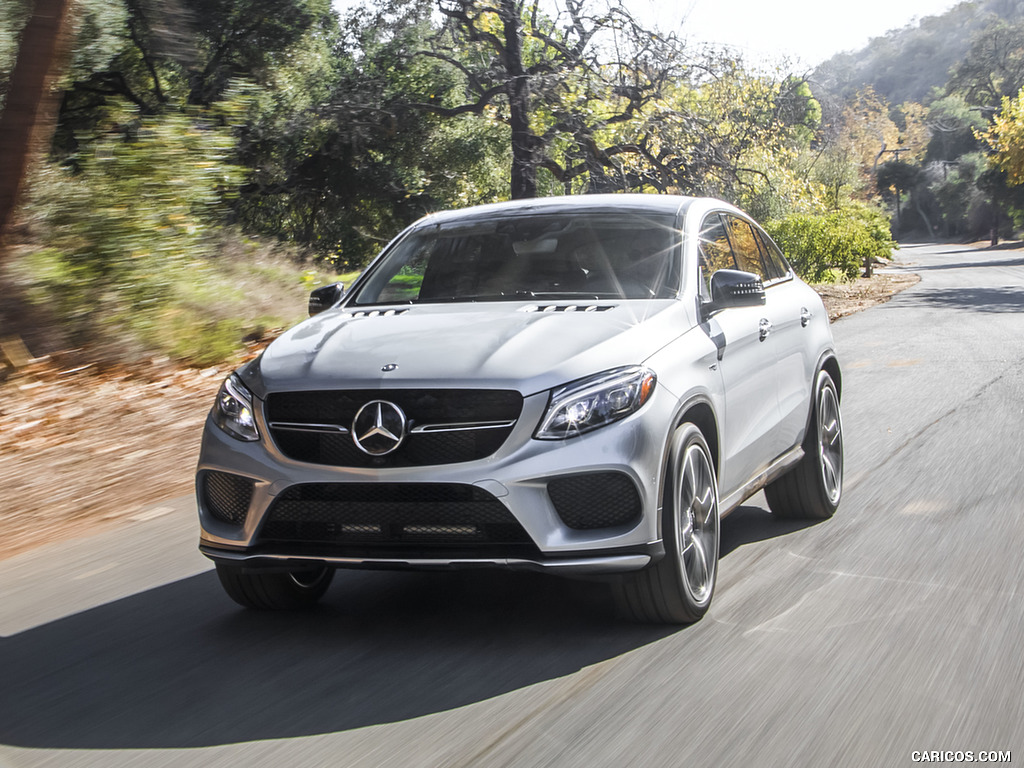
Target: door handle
<point>764,328</point>
<point>805,316</point>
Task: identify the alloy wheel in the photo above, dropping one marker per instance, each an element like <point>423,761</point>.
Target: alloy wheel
<point>830,443</point>
<point>698,523</point>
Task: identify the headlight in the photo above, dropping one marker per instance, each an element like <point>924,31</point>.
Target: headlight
<point>232,411</point>
<point>595,401</point>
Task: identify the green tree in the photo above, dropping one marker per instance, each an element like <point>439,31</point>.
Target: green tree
<point>993,67</point>
<point>953,126</point>
<point>896,178</point>
<point>343,158</point>
<point>956,194</point>
<point>246,38</point>
<point>544,78</point>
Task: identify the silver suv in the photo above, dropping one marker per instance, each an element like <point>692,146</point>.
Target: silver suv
<point>581,385</point>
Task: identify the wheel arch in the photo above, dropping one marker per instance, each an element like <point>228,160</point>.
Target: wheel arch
<point>830,365</point>
<point>700,413</point>
<point>696,410</point>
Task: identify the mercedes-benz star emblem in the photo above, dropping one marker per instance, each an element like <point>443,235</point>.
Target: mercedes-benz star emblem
<point>378,428</point>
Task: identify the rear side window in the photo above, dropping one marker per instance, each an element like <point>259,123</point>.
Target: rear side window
<point>773,258</point>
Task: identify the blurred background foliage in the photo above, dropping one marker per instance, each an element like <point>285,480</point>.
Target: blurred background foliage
<point>213,160</point>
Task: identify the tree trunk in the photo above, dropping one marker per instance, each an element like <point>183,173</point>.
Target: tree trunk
<point>31,108</point>
<point>924,217</point>
<point>524,167</point>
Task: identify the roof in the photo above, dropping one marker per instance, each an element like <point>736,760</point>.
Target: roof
<point>669,204</point>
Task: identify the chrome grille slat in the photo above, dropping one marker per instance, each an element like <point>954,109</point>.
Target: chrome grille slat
<point>464,427</point>
<point>302,427</point>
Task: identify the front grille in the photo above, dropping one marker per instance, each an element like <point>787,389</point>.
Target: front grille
<point>449,408</point>
<point>227,496</point>
<point>364,519</point>
<point>596,500</point>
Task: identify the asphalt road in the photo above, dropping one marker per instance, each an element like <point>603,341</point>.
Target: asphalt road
<point>895,627</point>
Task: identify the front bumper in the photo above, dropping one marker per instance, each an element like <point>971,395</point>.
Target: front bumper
<point>517,476</point>
<point>599,563</point>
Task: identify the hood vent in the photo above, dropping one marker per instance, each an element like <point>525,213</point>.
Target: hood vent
<point>375,313</point>
<point>567,308</point>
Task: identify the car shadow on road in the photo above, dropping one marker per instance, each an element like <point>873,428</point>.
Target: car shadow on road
<point>750,524</point>
<point>180,666</point>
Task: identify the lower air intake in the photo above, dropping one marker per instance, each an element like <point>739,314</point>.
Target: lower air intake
<point>363,518</point>
<point>227,496</point>
<point>596,500</point>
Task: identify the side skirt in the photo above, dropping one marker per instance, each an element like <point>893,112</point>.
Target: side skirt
<point>778,468</point>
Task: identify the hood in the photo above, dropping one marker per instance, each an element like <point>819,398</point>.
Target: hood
<point>504,346</point>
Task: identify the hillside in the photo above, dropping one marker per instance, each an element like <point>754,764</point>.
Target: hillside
<point>906,64</point>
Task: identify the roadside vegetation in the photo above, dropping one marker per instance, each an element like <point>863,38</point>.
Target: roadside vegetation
<point>211,161</point>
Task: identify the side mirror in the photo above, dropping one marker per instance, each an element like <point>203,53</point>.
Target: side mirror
<point>732,288</point>
<point>325,297</point>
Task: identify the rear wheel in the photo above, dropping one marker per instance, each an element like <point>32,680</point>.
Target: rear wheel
<point>813,488</point>
<point>275,590</point>
<point>678,588</point>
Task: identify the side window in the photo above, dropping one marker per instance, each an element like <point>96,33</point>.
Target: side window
<point>773,258</point>
<point>713,249</point>
<point>745,247</point>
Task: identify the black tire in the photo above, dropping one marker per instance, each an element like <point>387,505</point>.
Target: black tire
<point>677,589</point>
<point>275,590</point>
<point>813,489</point>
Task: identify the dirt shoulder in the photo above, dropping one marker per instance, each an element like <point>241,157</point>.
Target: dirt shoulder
<point>82,448</point>
<point>86,448</point>
<point>844,299</point>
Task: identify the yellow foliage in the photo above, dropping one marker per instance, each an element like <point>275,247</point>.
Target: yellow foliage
<point>867,130</point>
<point>1006,137</point>
<point>915,134</point>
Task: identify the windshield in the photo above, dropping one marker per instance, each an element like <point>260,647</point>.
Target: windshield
<point>574,256</point>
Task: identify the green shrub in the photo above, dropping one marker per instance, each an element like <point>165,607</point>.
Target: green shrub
<point>820,247</point>
<point>129,231</point>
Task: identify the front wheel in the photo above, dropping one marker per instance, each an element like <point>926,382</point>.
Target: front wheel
<point>813,488</point>
<point>275,590</point>
<point>678,588</point>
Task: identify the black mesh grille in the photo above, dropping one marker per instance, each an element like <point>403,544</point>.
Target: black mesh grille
<point>596,500</point>
<point>363,519</point>
<point>421,407</point>
<point>227,496</point>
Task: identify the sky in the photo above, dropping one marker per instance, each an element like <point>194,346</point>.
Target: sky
<point>805,31</point>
